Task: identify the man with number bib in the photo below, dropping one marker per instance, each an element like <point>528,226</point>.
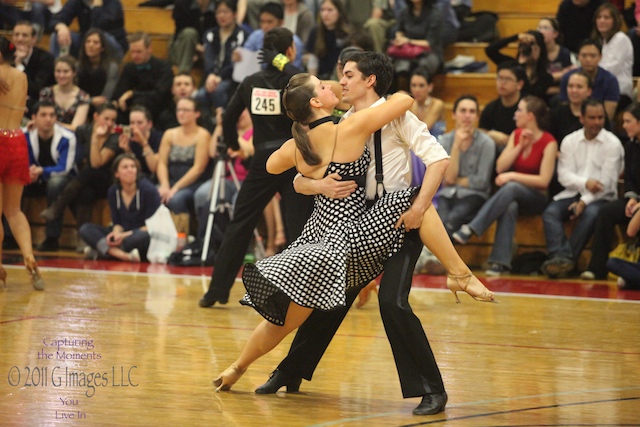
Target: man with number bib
<point>261,94</point>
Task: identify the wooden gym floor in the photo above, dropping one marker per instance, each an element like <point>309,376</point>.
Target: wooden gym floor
<point>118,344</point>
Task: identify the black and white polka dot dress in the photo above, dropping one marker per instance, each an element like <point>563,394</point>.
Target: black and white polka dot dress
<point>342,245</point>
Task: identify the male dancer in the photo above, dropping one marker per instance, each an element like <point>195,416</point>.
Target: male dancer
<point>261,93</point>
<point>367,76</point>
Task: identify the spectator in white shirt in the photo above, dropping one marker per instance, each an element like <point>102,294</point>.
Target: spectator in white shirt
<point>590,161</point>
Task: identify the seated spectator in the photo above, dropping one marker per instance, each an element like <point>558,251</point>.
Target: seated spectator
<point>146,80</point>
<point>182,160</point>
<point>98,146</point>
<point>617,49</point>
<point>576,19</point>
<point>524,170</point>
<point>628,272</point>
<point>192,20</point>
<point>36,63</point>
<point>590,161</point>
<point>142,140</point>
<point>559,57</point>
<point>420,24</point>
<point>183,87</point>
<point>467,180</point>
<point>132,200</point>
<point>271,16</point>
<point>497,116</point>
<point>618,211</point>
<point>532,55</point>
<point>219,43</point>
<point>298,19</point>
<point>104,14</point>
<point>327,39</point>
<point>605,84</point>
<point>97,71</point>
<point>52,154</point>
<point>565,117</point>
<point>379,24</point>
<point>72,103</point>
<point>427,108</point>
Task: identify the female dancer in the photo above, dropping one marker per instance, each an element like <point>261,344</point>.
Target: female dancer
<point>334,249</point>
<point>14,161</point>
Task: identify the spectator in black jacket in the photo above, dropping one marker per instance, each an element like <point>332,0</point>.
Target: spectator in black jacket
<point>192,18</point>
<point>104,14</point>
<point>146,80</point>
<point>36,63</point>
<point>532,55</point>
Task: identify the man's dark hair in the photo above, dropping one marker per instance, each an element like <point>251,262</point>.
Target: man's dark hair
<point>590,42</point>
<point>516,69</point>
<point>466,97</point>
<point>279,39</point>
<point>36,108</point>
<point>27,24</point>
<point>590,102</point>
<point>273,8</point>
<point>374,63</point>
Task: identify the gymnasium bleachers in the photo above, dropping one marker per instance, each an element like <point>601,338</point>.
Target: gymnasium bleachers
<point>513,17</point>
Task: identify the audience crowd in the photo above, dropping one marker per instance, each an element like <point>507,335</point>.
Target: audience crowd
<point>559,134</point>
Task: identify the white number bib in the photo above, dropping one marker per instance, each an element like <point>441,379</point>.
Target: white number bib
<point>265,102</point>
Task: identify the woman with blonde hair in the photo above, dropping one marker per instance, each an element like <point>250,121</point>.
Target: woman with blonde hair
<point>14,161</point>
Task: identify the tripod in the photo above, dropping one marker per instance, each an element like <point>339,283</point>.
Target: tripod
<point>218,205</point>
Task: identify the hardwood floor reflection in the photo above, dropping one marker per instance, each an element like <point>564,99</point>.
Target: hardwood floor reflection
<point>134,349</point>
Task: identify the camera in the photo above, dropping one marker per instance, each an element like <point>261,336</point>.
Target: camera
<point>525,49</point>
<point>125,129</point>
<point>221,147</point>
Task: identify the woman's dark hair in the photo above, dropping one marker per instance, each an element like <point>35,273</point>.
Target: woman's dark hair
<point>466,97</point>
<point>540,111</point>
<point>116,163</point>
<point>556,27</point>
<point>542,63</point>
<point>342,28</point>
<point>423,72</point>
<point>69,60</point>
<point>279,39</point>
<point>7,49</point>
<point>617,22</point>
<point>583,74</point>
<point>105,56</point>
<point>634,110</point>
<point>296,99</point>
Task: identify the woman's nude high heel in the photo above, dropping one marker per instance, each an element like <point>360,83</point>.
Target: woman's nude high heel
<point>36,279</point>
<point>228,378</point>
<point>482,295</point>
<point>3,276</point>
